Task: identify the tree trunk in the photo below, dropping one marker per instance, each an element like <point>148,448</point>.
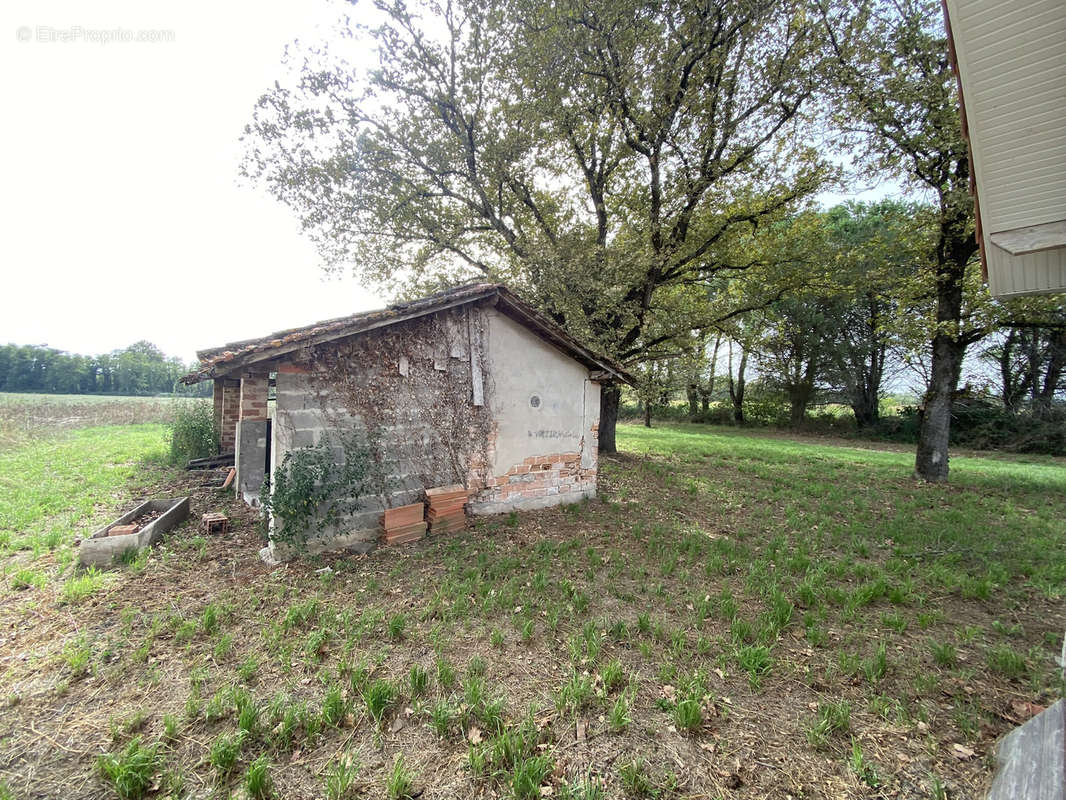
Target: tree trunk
<point>647,415</point>
<point>953,252</point>
<point>1056,365</point>
<point>866,410</point>
<point>692,390</point>
<point>609,397</point>
<point>931,461</point>
<point>736,390</point>
<point>797,401</point>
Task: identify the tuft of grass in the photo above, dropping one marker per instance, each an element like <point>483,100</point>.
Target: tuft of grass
<point>225,751</point>
<point>636,780</point>
<point>334,706</point>
<point>210,620</point>
<point>400,782</point>
<point>527,776</point>
<point>587,788</point>
<point>257,782</point>
<point>862,767</point>
<point>132,771</point>
<point>876,667</point>
<point>1007,661</point>
<point>575,694</point>
<point>618,716</point>
<point>418,678</point>
<point>397,625</point>
<point>756,661</point>
<point>440,717</point>
<point>944,653</point>
<point>831,719</point>
<point>79,587</point>
<point>248,668</point>
<point>613,675</point>
<point>379,695</point>
<point>78,657</point>
<point>26,578</point>
<point>340,779</point>
<point>446,677</point>
<point>688,716</point>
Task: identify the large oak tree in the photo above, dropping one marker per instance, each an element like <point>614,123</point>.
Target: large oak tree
<point>899,103</point>
<point>608,158</point>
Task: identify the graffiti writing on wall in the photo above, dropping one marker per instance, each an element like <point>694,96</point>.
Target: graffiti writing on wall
<point>546,433</point>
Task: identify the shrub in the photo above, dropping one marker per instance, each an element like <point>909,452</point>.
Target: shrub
<point>311,488</point>
<point>192,431</point>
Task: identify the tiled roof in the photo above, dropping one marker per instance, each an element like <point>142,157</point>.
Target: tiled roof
<point>217,362</point>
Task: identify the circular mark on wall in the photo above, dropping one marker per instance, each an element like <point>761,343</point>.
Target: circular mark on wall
<point>534,401</point>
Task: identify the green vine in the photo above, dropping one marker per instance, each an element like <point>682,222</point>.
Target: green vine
<point>310,489</point>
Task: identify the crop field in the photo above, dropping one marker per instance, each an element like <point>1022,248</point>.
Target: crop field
<point>26,416</point>
<point>737,615</point>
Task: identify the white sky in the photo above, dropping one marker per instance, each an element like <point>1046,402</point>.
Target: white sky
<point>121,215</point>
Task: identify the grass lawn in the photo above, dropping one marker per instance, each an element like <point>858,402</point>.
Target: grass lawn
<point>738,615</point>
<point>25,416</point>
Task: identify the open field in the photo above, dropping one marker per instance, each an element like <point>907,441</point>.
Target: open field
<point>738,616</point>
<point>25,416</point>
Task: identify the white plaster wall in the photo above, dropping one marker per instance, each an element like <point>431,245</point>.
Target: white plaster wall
<point>522,365</point>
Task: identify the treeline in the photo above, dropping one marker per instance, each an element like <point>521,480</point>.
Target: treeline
<point>859,326</point>
<point>140,369</point>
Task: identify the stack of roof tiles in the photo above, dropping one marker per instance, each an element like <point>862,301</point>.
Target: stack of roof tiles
<point>446,509</point>
<point>404,524</point>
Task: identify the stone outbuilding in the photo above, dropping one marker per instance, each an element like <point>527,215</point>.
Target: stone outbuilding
<point>470,386</point>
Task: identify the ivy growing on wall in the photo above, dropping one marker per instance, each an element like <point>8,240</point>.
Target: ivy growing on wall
<point>409,389</point>
<point>311,489</point>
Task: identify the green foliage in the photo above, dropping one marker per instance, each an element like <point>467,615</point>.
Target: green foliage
<point>225,751</point>
<point>400,782</point>
<point>257,782</point>
<point>419,680</point>
<point>756,661</point>
<point>656,165</point>
<point>688,716</point>
<point>334,706</point>
<point>192,432</point>
<point>340,779</point>
<point>1007,661</point>
<point>378,697</point>
<point>140,369</point>
<point>310,489</point>
<point>832,718</point>
<point>132,771</point>
<point>528,775</point>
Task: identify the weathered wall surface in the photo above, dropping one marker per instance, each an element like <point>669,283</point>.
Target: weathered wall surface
<point>546,412</point>
<point>532,409</point>
<point>250,458</point>
<point>413,376</point>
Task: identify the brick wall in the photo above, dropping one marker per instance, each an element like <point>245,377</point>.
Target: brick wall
<point>216,397</point>
<point>539,481</point>
<point>254,397</point>
<point>231,414</point>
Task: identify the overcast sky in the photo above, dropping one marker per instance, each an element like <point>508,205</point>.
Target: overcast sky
<point>122,215</point>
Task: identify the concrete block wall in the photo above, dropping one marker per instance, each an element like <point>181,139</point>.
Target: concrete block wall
<point>542,450</point>
<point>309,413</point>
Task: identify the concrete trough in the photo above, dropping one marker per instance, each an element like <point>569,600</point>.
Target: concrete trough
<point>101,549</point>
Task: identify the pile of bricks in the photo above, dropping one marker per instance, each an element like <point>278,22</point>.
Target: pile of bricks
<point>405,524</point>
<point>446,509</point>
